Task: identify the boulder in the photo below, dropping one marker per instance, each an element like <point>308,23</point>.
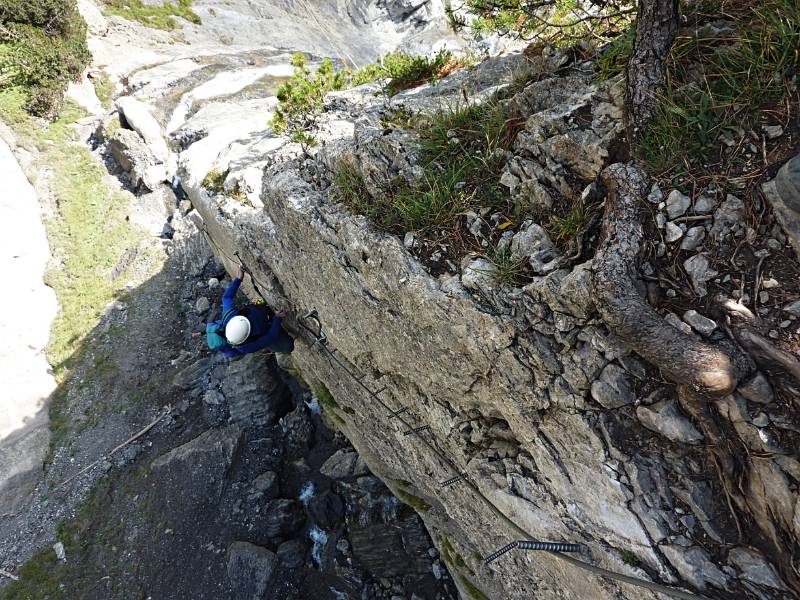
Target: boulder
<point>251,569</point>
<point>135,157</point>
<point>138,116</point>
<point>783,193</point>
<point>344,464</point>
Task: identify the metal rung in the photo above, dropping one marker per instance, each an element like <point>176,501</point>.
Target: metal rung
<point>397,413</point>
<point>548,546</point>
<point>531,545</point>
<point>416,430</point>
<point>383,389</point>
<point>452,480</point>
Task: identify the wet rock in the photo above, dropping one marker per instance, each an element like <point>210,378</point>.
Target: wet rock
<point>344,464</point>
<point>534,243</point>
<point>693,565</point>
<point>757,389</point>
<point>613,388</point>
<point>283,518</point>
<point>699,323</point>
<point>264,486</point>
<point>292,554</point>
<point>327,510</point>
<point>755,568</point>
<point>677,204</point>
<point>700,273</point>
<point>726,216</point>
<point>694,237</point>
<point>665,418</point>
<point>250,570</point>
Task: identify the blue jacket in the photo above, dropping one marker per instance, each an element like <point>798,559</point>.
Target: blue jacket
<point>263,330</point>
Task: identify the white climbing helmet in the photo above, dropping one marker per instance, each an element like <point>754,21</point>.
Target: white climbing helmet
<point>237,329</point>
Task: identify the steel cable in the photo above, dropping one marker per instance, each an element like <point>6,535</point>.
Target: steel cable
<point>529,542</point>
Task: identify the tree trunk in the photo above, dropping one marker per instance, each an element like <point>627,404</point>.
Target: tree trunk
<point>656,26</point>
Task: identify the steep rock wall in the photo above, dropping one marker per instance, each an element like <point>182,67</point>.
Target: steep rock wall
<point>504,378</point>
<point>565,431</point>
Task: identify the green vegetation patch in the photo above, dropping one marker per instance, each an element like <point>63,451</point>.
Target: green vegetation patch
<point>718,82</point>
<point>300,100</point>
<point>614,60</point>
<point>415,502</point>
<point>42,48</point>
<point>470,588</point>
<point>462,153</point>
<point>153,15</point>
<point>104,88</point>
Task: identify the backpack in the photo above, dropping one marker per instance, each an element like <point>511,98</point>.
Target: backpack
<point>215,332</point>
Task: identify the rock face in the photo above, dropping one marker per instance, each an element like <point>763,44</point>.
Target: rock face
<point>783,193</point>
<point>524,389</point>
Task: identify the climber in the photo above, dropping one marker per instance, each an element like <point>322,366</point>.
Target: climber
<point>248,328</point>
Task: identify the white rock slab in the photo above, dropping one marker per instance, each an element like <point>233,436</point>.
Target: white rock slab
<point>27,309</point>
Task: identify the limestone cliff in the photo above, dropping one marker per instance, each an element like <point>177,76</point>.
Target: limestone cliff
<point>558,423</point>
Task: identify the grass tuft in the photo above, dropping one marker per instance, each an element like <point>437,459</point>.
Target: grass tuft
<point>104,88</point>
<point>214,180</point>
<point>716,86</point>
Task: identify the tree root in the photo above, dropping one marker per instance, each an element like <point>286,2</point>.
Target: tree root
<point>706,370</point>
<point>702,372</point>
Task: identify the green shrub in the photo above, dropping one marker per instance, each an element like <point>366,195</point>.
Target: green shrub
<point>42,48</point>
<point>155,16</point>
<point>560,22</point>
<point>300,100</point>
<point>613,61</point>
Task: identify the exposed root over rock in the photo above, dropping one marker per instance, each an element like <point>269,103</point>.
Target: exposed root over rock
<point>707,370</point>
<point>702,372</point>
